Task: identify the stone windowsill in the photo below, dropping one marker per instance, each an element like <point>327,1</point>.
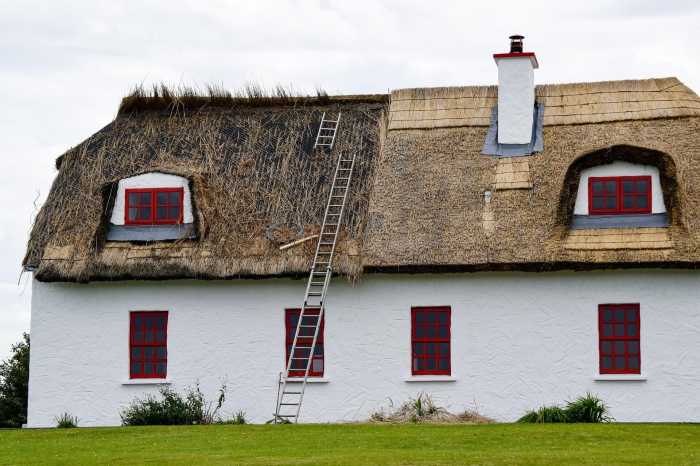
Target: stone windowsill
<point>620,378</point>
<point>430,378</point>
<point>147,382</point>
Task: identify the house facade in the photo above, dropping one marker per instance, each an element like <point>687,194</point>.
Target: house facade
<point>503,247</point>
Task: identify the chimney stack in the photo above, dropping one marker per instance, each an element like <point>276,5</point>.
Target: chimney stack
<point>516,93</point>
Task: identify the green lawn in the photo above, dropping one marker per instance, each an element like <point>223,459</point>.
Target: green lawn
<point>673,444</point>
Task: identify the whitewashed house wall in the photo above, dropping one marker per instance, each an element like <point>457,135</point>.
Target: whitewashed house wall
<point>519,340</point>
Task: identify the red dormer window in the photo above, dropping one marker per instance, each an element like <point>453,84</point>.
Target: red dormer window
<point>618,195</point>
<point>153,206</point>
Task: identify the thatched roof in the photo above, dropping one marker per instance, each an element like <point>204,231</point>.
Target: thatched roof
<point>418,201</point>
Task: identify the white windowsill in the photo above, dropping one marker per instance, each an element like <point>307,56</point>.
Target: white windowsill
<point>620,378</point>
<point>146,382</point>
<point>430,378</point>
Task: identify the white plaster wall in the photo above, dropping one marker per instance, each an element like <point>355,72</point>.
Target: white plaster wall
<point>518,340</point>
<point>152,180</point>
<point>516,100</point>
<point>620,168</point>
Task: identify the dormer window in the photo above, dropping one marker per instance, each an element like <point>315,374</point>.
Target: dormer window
<point>619,195</point>
<point>154,206</point>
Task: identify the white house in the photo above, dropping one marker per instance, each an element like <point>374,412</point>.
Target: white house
<point>503,247</point>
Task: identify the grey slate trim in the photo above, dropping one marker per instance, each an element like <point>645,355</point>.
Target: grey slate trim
<point>586,222</point>
<point>492,147</point>
<point>150,232</point>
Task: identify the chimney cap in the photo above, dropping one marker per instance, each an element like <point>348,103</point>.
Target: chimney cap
<point>516,51</point>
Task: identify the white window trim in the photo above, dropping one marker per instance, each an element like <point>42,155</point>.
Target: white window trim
<point>430,378</point>
<point>147,382</point>
<point>620,378</point>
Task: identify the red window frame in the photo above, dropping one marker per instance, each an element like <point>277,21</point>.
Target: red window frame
<point>430,340</point>
<point>148,344</point>
<point>619,194</point>
<point>618,339</point>
<point>305,339</point>
<point>153,205</point>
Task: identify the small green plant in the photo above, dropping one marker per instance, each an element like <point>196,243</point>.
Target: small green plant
<point>237,419</point>
<point>66,421</point>
<point>422,408</point>
<point>174,409</point>
<point>544,415</point>
<point>588,408</point>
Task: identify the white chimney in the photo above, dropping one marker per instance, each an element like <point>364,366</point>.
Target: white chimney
<point>516,93</point>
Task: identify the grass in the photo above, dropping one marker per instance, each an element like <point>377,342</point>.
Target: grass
<point>494,444</point>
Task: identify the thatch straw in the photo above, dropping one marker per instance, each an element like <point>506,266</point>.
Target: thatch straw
<point>249,168</point>
<point>565,104</point>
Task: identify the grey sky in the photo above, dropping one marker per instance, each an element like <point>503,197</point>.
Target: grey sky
<point>65,65</point>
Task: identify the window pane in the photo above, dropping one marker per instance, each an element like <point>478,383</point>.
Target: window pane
<point>619,362</point>
<point>628,202</point>
<point>642,186</point>
<point>610,202</point>
<point>418,348</point>
<point>642,202</point>
<point>148,368</point>
<point>443,318</point>
<point>136,353</point>
<point>318,350</point>
<point>606,347</point>
<point>598,203</point>
<point>631,315</point>
<point>417,364</point>
<point>610,187</point>
<point>317,365</point>
<point>145,198</point>
<point>135,368</point>
<point>607,330</point>
<point>144,213</point>
<point>607,362</point>
<point>175,198</point>
<point>174,213</point>
<point>160,368</point>
<point>161,213</point>
<point>133,198</point>
<point>631,330</point>
<point>420,332</point>
<point>633,347</point>
<point>161,198</point>
<point>443,364</point>
<point>607,315</point>
<point>597,187</point>
<point>634,362</point>
<point>430,348</point>
<point>443,332</point>
<point>162,352</point>
<point>620,347</point>
<point>444,348</point>
<point>148,353</point>
<point>138,336</point>
<point>619,315</point>
<point>619,330</point>
<point>429,364</point>
<point>628,186</point>
<point>133,213</point>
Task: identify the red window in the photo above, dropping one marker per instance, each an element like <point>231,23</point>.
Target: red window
<point>430,340</point>
<point>618,330</point>
<point>306,336</point>
<point>615,195</point>
<point>153,206</point>
<point>148,344</point>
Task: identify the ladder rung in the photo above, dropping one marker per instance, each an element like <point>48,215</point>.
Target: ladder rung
<point>291,393</point>
<point>314,293</point>
<point>286,415</point>
<point>308,326</point>
<point>289,404</point>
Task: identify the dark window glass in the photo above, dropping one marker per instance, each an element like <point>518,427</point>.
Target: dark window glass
<point>148,344</point>
<point>619,338</point>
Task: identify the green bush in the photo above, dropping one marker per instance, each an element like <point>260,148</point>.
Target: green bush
<point>14,379</point>
<point>544,415</point>
<point>588,408</point>
<point>173,408</point>
<point>66,421</point>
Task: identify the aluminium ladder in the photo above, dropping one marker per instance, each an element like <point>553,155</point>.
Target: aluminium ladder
<point>292,383</point>
<point>326,132</point>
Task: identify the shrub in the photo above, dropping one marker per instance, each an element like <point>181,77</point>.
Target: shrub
<point>173,408</point>
<point>66,421</point>
<point>588,408</point>
<point>14,380</point>
<point>544,415</point>
<point>237,419</point>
